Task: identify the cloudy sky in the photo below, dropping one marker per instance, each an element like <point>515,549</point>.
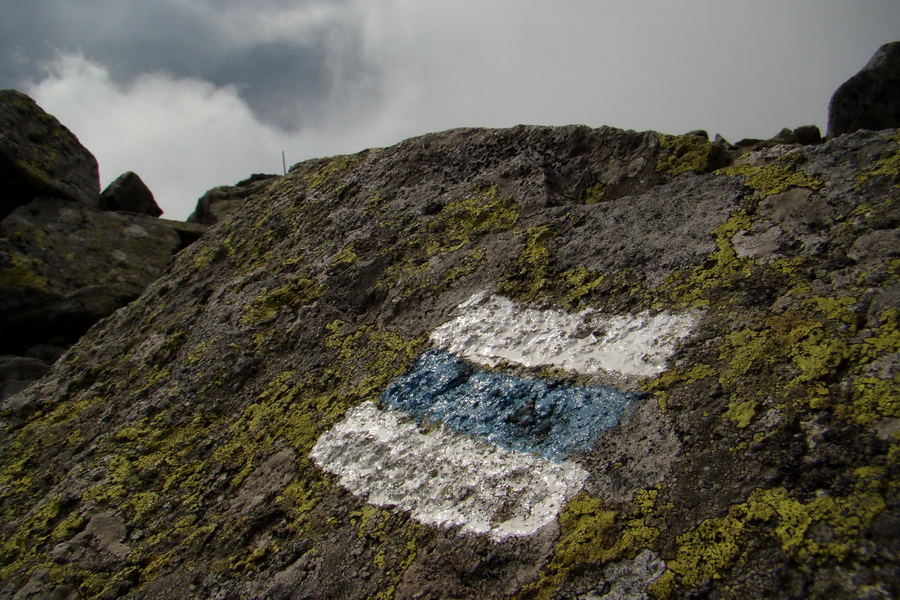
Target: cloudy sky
<point>191,94</point>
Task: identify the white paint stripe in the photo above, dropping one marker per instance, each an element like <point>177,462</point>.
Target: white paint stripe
<point>490,329</point>
<point>442,478</point>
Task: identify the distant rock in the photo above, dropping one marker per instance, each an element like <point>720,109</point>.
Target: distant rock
<point>18,372</point>
<point>66,261</point>
<point>64,266</point>
<point>41,157</point>
<point>219,202</point>
<point>128,193</point>
<point>871,98</point>
<point>808,134</point>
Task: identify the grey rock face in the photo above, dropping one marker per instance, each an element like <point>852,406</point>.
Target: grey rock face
<point>219,202</point>
<point>171,452</point>
<point>41,157</point>
<point>128,193</point>
<point>871,98</point>
<point>64,266</point>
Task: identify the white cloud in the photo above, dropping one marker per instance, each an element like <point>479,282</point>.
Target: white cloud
<point>182,136</point>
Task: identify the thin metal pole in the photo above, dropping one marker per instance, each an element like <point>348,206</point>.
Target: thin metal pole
<point>283,162</point>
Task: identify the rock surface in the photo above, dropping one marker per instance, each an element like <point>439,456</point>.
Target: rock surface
<point>40,157</point>
<point>230,433</point>
<point>128,193</point>
<point>64,267</point>
<point>871,98</point>
<point>219,202</point>
<point>64,263</point>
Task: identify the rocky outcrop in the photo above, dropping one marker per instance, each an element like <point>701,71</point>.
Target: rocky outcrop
<point>64,267</point>
<point>128,193</point>
<point>871,98</point>
<point>524,363</point>
<point>40,157</point>
<point>66,260</point>
<point>219,202</point>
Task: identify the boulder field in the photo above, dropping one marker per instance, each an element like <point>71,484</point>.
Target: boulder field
<point>69,254</point>
<point>524,363</point>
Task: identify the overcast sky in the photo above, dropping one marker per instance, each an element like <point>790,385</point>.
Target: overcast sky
<point>191,94</point>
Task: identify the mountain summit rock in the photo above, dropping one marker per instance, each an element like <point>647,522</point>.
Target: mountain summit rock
<point>871,98</point>
<point>525,363</point>
<point>39,156</point>
<point>528,363</point>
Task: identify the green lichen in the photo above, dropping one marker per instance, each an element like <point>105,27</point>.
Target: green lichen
<point>674,377</point>
<point>301,291</point>
<point>741,413</point>
<point>347,256</point>
<point>199,351</point>
<point>693,288</point>
<point>483,211</point>
<point>887,166</point>
<point>531,275</point>
<point>594,194</point>
<point>581,284</point>
<point>451,232</point>
<point>687,153</point>
<point>22,274</point>
<point>716,545</point>
<point>594,533</point>
<point>333,168</point>
<point>469,264</point>
<point>773,178</point>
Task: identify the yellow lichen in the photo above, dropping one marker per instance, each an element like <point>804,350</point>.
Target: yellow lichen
<point>772,178</point>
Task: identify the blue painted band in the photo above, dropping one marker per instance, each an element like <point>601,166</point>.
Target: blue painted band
<point>542,417</point>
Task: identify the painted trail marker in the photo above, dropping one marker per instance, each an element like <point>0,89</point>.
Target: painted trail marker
<point>498,461</point>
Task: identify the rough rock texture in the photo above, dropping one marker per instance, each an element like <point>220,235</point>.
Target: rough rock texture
<point>871,98</point>
<point>128,193</point>
<point>169,453</point>
<point>219,202</point>
<point>40,157</point>
<point>64,264</point>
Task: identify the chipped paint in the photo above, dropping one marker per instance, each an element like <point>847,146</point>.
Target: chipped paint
<point>521,414</point>
<point>443,478</point>
<point>491,330</point>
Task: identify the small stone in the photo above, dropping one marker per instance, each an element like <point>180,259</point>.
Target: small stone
<point>128,193</point>
<point>808,134</point>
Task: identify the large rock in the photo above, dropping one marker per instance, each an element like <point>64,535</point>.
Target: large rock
<point>64,266</point>
<point>41,157</point>
<point>128,193</point>
<point>871,98</point>
<point>529,363</point>
<point>221,201</point>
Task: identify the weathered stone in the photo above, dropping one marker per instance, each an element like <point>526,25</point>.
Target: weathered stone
<point>871,98</point>
<point>64,266</point>
<point>240,430</point>
<point>808,134</point>
<point>128,193</point>
<point>18,372</point>
<point>219,202</point>
<point>41,157</point>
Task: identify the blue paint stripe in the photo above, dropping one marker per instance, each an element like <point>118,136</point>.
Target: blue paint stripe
<point>550,419</point>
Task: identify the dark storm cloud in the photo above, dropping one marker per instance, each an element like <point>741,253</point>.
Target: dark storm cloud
<point>285,58</point>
